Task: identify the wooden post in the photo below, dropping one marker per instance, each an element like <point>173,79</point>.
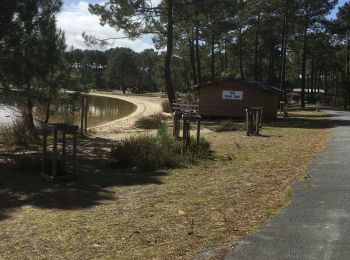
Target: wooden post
<point>282,107</point>
<point>63,149</point>
<point>174,125</point>
<point>176,128</point>
<point>285,111</point>
<point>43,166</point>
<point>188,134</point>
<point>184,135</point>
<point>58,169</point>
<point>74,150</point>
<point>257,121</point>
<point>86,113</point>
<point>82,113</point>
<point>198,132</point>
<point>54,156</point>
<point>247,121</point>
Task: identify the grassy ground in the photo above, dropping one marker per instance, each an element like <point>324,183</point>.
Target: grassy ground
<point>171,214</point>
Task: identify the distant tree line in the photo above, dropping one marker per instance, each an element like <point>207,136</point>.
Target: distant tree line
<point>286,43</point>
<point>117,68</point>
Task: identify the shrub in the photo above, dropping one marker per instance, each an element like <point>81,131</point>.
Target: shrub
<point>226,126</point>
<point>162,151</point>
<point>147,153</point>
<point>165,106</point>
<point>150,122</point>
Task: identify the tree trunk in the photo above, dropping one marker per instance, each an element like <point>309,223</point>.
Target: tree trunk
<point>169,53</point>
<point>212,58</point>
<point>256,52</point>
<point>47,116</point>
<point>29,118</point>
<point>336,92</point>
<point>271,65</point>
<point>221,58</point>
<point>240,53</point>
<point>348,59</point>
<point>226,55</point>
<point>348,70</point>
<point>47,113</point>
<point>303,67</point>
<point>199,72</point>
<point>326,82</point>
<point>312,79</point>
<point>192,59</point>
<point>284,52</point>
<point>344,90</point>
<point>260,65</point>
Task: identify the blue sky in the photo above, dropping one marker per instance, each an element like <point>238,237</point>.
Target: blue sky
<point>340,3</point>
<point>75,18</point>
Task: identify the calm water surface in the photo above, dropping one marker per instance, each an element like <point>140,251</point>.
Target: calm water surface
<point>67,110</point>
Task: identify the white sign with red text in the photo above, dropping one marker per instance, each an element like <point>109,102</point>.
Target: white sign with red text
<point>233,95</point>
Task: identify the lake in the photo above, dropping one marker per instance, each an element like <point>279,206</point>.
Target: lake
<point>66,109</point>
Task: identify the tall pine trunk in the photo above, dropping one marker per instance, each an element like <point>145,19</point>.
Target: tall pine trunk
<point>169,53</point>
<point>226,54</point>
<point>51,90</point>
<point>29,117</point>
<point>240,54</point>
<point>198,58</point>
<point>256,52</point>
<point>303,67</point>
<point>284,52</point>
<point>348,69</point>
<point>312,79</point>
<point>271,62</point>
<point>192,59</point>
<point>212,58</point>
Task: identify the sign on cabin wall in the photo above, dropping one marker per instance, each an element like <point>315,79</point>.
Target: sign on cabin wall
<point>233,95</point>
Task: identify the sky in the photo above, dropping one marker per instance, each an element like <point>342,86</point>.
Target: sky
<point>75,18</point>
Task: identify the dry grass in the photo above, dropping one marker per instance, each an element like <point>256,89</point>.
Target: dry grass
<point>173,214</point>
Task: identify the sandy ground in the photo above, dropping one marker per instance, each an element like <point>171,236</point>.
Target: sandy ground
<point>121,128</point>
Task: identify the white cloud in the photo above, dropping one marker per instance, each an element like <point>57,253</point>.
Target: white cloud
<point>76,18</point>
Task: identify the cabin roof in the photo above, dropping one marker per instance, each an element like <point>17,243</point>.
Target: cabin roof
<point>253,84</point>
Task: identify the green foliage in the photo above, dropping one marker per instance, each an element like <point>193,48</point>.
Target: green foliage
<point>121,72</point>
<point>162,151</point>
<point>150,122</point>
<point>32,60</point>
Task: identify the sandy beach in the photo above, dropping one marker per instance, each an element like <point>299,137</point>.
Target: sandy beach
<point>119,129</point>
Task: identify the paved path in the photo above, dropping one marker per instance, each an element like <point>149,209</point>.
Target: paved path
<point>317,223</point>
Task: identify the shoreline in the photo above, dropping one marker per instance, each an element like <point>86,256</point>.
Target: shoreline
<point>120,128</point>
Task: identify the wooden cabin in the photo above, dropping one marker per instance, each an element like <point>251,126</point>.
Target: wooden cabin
<point>231,97</point>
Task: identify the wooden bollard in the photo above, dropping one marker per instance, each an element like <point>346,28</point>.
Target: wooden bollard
<point>253,120</point>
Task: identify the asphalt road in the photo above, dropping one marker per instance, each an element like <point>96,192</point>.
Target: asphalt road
<point>316,225</point>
